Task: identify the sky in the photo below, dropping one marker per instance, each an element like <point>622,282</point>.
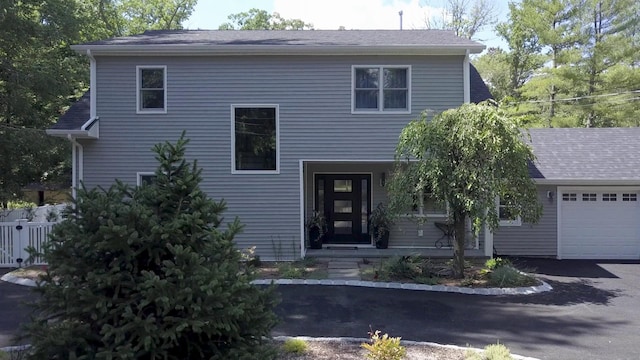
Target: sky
<point>331,14</point>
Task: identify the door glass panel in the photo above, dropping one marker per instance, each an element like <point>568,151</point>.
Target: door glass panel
<point>342,227</point>
<point>342,185</point>
<point>342,206</point>
<point>364,206</point>
<point>320,196</point>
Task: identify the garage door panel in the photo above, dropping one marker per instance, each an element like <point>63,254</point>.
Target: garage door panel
<point>599,229</point>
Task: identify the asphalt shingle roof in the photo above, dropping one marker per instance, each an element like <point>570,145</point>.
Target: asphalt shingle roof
<point>76,116</point>
<point>586,154</point>
<point>369,38</point>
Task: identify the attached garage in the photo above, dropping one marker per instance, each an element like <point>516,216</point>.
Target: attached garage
<point>599,223</point>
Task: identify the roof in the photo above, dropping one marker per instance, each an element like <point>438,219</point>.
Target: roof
<point>479,90</point>
<point>598,154</point>
<point>299,41</point>
<point>76,116</point>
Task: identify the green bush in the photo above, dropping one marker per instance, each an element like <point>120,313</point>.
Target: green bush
<point>498,262</point>
<point>384,347</point>
<point>295,346</point>
<point>150,273</point>
<point>490,352</point>
<point>289,270</point>
<point>4,355</point>
<point>507,276</point>
<point>412,267</point>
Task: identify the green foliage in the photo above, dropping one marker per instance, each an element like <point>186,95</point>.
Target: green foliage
<point>384,347</point>
<point>295,346</point>
<point>4,355</point>
<point>497,262</point>
<point>289,270</point>
<point>150,272</point>
<point>507,276</point>
<point>413,267</point>
<point>468,157</point>
<point>380,221</point>
<point>20,204</point>
<point>490,352</point>
<point>257,19</point>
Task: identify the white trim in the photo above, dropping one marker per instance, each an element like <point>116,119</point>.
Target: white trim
<point>232,50</point>
<point>233,139</point>
<point>381,109</point>
<point>303,187</point>
<point>466,78</point>
<point>74,168</point>
<point>559,191</point>
<point>371,205</point>
<point>140,174</point>
<point>348,161</point>
<point>93,86</point>
<point>139,109</point>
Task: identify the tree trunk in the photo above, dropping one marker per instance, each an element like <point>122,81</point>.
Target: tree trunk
<point>459,245</point>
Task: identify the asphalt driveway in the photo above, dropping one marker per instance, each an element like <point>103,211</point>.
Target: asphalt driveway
<point>592,313</point>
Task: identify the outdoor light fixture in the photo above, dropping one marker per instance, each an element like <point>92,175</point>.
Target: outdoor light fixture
<point>550,195</point>
<point>383,179</point>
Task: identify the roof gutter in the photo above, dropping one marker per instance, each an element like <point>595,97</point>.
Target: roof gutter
<point>230,50</point>
<point>588,182</point>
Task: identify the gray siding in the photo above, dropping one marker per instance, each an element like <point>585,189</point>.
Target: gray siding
<point>532,239</point>
<point>314,98</point>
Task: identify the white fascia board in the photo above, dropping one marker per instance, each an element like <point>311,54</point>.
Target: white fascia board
<point>588,182</point>
<point>191,50</point>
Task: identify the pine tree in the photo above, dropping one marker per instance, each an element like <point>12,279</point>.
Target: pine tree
<point>149,273</point>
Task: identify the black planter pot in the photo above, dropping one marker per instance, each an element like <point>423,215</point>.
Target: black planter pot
<point>315,238</point>
<point>382,238</point>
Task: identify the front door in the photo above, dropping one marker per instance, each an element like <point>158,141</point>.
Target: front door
<point>344,199</point>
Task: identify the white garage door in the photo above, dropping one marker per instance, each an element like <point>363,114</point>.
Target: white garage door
<point>597,223</point>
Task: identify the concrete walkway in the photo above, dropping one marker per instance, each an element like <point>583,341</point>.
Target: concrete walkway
<point>343,269</point>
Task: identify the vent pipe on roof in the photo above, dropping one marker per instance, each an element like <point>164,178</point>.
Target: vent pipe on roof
<point>400,13</point>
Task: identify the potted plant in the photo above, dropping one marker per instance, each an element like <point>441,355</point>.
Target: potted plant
<point>380,223</point>
<point>317,227</point>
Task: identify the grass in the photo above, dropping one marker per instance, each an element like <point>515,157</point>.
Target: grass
<point>308,268</point>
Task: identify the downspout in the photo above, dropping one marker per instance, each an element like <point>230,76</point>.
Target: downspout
<point>465,78</point>
<point>77,160</point>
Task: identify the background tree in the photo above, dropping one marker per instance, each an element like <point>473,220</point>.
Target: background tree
<point>464,17</point>
<point>469,157</point>
<point>257,19</point>
<point>149,273</point>
<point>40,76</point>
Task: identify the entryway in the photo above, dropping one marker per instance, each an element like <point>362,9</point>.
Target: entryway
<point>345,202</point>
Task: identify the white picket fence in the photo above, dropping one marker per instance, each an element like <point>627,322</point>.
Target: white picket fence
<point>17,236</point>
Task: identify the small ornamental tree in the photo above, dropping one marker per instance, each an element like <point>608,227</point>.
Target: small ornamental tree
<point>469,157</point>
<point>150,273</point>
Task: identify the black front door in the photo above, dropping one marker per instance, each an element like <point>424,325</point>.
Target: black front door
<point>344,199</point>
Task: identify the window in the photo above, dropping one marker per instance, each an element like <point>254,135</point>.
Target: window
<point>589,197</point>
<point>569,197</point>
<point>152,94</point>
<point>505,216</point>
<point>381,89</point>
<point>425,204</point>
<point>255,139</point>
<point>609,197</point>
<point>630,197</point>
<point>146,178</point>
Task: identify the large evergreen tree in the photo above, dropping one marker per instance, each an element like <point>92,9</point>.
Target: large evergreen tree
<point>149,273</point>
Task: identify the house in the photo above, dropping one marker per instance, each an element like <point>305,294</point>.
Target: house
<point>284,123</point>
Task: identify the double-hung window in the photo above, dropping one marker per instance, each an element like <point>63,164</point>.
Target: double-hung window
<point>255,139</point>
<point>152,89</point>
<point>382,89</point>
<point>505,215</point>
<point>146,178</point>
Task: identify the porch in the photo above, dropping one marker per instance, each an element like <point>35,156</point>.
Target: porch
<point>345,193</point>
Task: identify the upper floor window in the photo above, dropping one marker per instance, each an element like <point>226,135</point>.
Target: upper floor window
<point>152,89</point>
<point>255,139</point>
<point>381,89</point>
